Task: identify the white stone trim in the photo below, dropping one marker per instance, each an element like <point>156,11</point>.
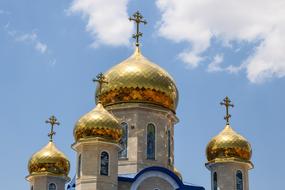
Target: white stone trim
<point>150,174</point>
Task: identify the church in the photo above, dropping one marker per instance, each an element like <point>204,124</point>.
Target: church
<point>127,141</point>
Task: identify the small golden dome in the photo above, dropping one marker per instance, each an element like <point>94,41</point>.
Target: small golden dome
<point>228,145</point>
<point>49,161</point>
<point>138,80</point>
<point>98,123</point>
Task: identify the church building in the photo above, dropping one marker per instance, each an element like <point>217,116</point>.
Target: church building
<point>127,141</point>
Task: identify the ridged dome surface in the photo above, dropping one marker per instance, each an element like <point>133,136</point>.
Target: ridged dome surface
<point>49,161</point>
<point>139,80</point>
<point>97,123</point>
<point>228,145</point>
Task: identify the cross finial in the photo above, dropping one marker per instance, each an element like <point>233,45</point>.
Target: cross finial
<point>52,121</point>
<point>227,103</point>
<point>138,19</point>
<point>100,79</point>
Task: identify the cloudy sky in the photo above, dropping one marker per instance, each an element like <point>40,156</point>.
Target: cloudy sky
<point>51,50</point>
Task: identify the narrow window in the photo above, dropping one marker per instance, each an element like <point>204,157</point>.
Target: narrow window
<point>215,181</point>
<point>150,141</point>
<point>51,186</point>
<point>169,146</point>
<point>79,166</point>
<point>123,153</point>
<point>104,169</point>
<point>239,180</point>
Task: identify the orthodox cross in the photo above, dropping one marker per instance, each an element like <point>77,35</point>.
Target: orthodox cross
<point>138,19</point>
<point>100,79</point>
<point>52,121</point>
<point>227,103</point>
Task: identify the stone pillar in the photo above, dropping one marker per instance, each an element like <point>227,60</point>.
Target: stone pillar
<point>89,176</point>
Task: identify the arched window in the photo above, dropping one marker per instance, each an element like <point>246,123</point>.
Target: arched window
<point>123,153</point>
<point>150,141</point>
<point>169,146</point>
<point>239,180</point>
<point>104,169</point>
<point>215,181</point>
<point>51,186</point>
<point>79,166</point>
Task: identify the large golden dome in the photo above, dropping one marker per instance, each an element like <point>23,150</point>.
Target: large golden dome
<point>97,123</point>
<point>228,145</point>
<point>139,80</point>
<point>49,161</point>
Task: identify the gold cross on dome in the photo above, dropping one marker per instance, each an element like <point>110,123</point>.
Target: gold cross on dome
<point>138,19</point>
<point>52,121</point>
<point>227,103</point>
<point>100,79</point>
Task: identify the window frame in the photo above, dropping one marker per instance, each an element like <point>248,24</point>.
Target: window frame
<point>51,184</point>
<point>100,166</point>
<point>127,142</point>
<point>242,179</point>
<point>155,141</point>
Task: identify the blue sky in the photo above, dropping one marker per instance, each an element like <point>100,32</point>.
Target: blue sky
<point>51,50</point>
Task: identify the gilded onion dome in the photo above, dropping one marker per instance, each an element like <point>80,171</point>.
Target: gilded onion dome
<point>228,145</point>
<point>49,161</point>
<point>97,123</point>
<point>137,79</point>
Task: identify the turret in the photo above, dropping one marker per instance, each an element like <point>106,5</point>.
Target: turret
<point>49,167</point>
<point>228,156</point>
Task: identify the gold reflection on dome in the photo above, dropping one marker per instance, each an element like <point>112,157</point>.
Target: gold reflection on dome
<point>139,80</point>
<point>228,145</point>
<point>49,161</point>
<point>97,123</point>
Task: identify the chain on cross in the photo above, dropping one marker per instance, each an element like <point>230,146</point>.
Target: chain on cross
<point>100,79</point>
<point>138,19</point>
<point>227,103</point>
<point>52,121</point>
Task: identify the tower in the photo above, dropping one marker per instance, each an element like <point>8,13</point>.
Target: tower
<point>96,135</point>
<point>228,156</point>
<point>49,167</point>
<point>143,97</point>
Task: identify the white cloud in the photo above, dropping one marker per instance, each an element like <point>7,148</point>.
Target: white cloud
<point>200,21</point>
<point>30,38</point>
<point>3,12</point>
<point>107,20</point>
<point>215,65</point>
<point>41,47</point>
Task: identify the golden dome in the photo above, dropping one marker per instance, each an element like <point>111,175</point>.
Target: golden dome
<point>138,80</point>
<point>228,146</point>
<point>49,161</point>
<point>98,123</point>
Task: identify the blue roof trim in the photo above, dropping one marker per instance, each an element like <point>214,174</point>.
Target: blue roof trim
<point>133,177</point>
<point>166,171</point>
<point>71,185</point>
